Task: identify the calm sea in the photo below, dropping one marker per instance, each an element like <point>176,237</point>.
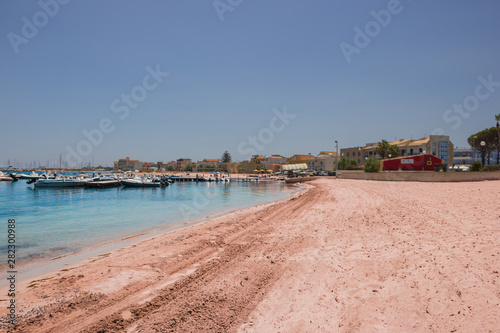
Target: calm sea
<point>52,222</point>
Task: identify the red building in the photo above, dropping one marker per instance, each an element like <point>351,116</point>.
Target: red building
<point>412,163</point>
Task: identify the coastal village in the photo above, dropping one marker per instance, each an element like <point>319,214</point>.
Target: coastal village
<point>439,146</point>
<point>241,166</point>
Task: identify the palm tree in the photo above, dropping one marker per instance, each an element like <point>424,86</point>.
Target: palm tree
<point>394,150</point>
<point>382,149</point>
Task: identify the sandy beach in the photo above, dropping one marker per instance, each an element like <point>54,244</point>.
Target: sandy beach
<point>339,256</point>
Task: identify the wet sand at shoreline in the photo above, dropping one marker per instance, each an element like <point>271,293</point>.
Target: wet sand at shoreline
<point>341,256</point>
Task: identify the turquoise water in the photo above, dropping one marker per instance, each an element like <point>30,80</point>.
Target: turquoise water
<point>52,222</point>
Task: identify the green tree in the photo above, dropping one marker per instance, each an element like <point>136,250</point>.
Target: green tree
<point>476,166</point>
<point>490,138</point>
<point>342,165</point>
<point>394,151</point>
<point>371,165</point>
<point>497,118</point>
<point>226,157</point>
<point>382,149</point>
<point>170,168</point>
<point>188,167</point>
<point>352,165</point>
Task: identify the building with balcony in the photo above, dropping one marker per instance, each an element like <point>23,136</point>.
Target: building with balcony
<point>437,145</point>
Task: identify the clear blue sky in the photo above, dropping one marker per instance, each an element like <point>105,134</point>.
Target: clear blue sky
<point>227,76</point>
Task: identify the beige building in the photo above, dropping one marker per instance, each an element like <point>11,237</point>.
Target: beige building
<point>298,158</point>
<point>182,162</point>
<point>126,164</point>
<point>274,162</point>
<point>437,145</point>
<point>247,166</point>
<point>209,163</point>
<point>325,161</point>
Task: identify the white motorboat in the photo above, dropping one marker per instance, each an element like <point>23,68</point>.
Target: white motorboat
<point>7,178</point>
<point>32,175</point>
<point>60,182</point>
<point>145,182</point>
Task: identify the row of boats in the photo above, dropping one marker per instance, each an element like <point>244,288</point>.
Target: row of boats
<point>101,181</point>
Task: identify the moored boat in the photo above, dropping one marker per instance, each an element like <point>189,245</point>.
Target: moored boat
<point>32,175</point>
<point>103,183</point>
<point>7,177</point>
<point>145,182</point>
<point>139,183</point>
<point>60,182</point>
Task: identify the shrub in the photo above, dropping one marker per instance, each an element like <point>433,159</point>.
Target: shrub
<point>371,165</point>
<point>476,166</point>
<point>491,168</point>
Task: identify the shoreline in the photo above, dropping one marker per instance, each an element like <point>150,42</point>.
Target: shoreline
<point>340,255</point>
<point>48,266</point>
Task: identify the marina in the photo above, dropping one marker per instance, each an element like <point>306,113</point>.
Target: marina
<point>58,219</point>
<point>93,180</point>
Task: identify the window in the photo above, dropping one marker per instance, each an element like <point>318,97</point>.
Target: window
<point>443,151</point>
<point>434,144</point>
<point>347,154</point>
<point>411,151</point>
<point>420,150</point>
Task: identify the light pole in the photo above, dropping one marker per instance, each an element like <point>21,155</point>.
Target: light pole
<point>425,160</point>
<point>482,145</point>
<point>336,156</point>
<point>390,162</point>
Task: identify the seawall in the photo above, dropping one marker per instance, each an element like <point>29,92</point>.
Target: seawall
<point>419,176</point>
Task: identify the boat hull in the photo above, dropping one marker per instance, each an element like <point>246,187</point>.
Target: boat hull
<point>131,183</point>
<point>6,179</point>
<point>103,184</point>
<point>59,183</point>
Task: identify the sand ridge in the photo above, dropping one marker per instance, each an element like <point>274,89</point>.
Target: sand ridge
<point>341,256</point>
